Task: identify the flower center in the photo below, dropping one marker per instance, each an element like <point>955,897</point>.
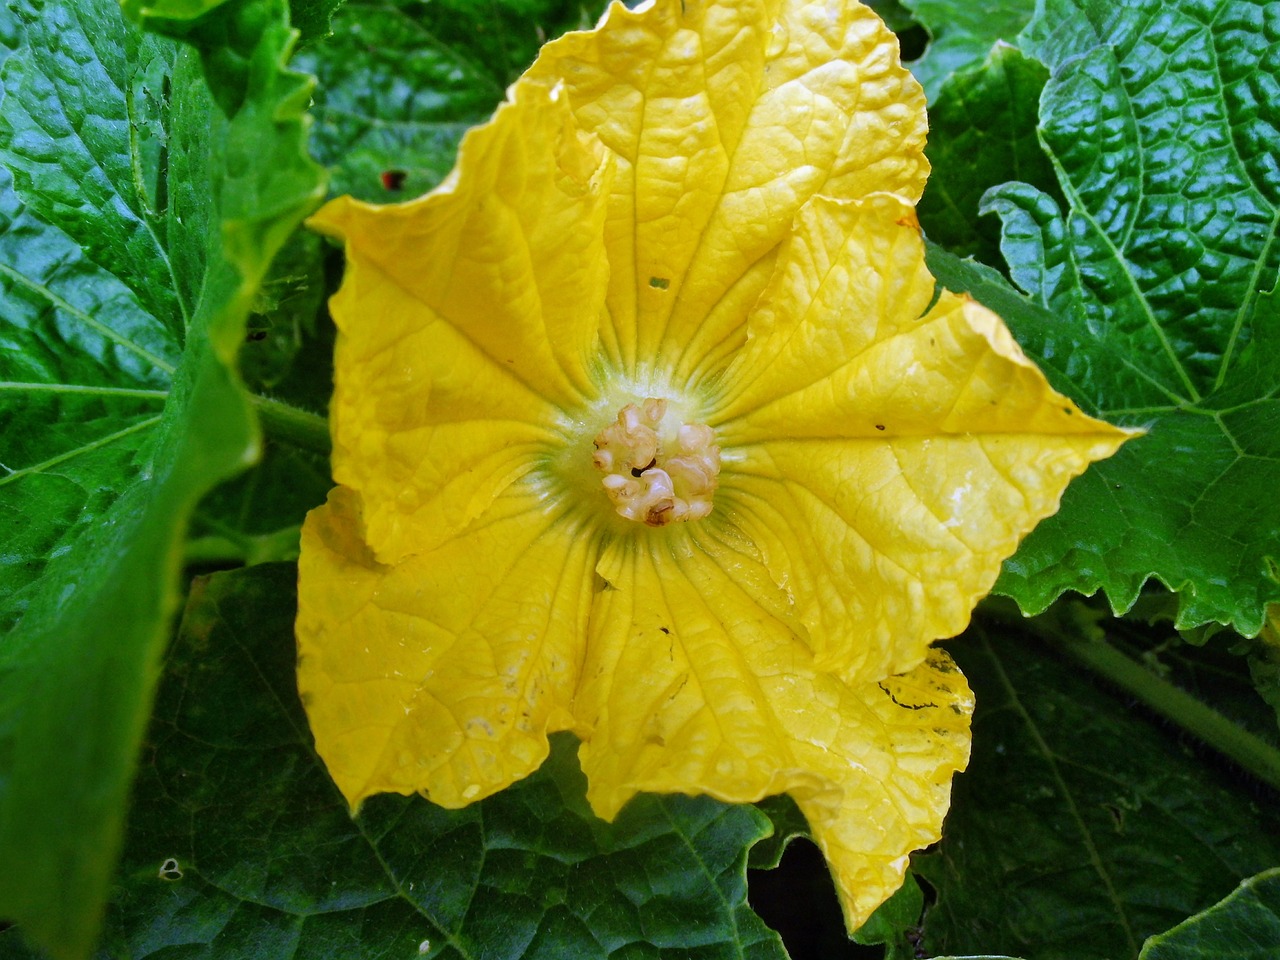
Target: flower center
<point>656,469</point>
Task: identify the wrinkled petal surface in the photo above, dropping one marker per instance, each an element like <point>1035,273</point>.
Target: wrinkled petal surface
<point>467,320</point>
<point>724,119</point>
<point>709,204</point>
<point>884,462</point>
<point>444,673</point>
<point>695,682</point>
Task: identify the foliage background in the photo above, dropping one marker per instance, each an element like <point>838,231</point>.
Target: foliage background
<point>1112,173</point>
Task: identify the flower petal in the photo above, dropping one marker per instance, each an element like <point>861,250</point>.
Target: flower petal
<point>884,463</point>
<point>907,736</point>
<point>444,673</point>
<point>725,119</point>
<point>466,318</point>
<point>695,682</point>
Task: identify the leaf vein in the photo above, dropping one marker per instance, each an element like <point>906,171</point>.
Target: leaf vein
<point>98,327</point>
<point>79,451</point>
<point>1095,859</point>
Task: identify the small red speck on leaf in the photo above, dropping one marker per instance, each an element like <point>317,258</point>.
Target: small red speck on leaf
<point>393,179</point>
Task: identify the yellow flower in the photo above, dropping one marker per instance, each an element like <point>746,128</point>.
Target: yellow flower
<point>645,428</point>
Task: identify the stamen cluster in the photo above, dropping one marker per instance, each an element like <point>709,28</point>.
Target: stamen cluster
<point>657,470</point>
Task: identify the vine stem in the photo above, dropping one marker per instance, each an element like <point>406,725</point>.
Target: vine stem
<point>293,425</point>
<point>1251,752</point>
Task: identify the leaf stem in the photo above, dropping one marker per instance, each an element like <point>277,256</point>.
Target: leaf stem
<point>293,425</point>
<point>1249,751</point>
<point>243,550</point>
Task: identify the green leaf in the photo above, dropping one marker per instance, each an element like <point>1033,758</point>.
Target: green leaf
<point>893,920</point>
<point>1212,671</point>
<point>962,34</point>
<point>1161,123</point>
<point>1264,666</point>
<point>788,824</point>
<point>1244,926</point>
<point>257,516</point>
<point>167,10</point>
<point>240,845</point>
<point>1264,661</point>
<point>1082,826</point>
<point>1073,366</point>
<point>402,81</point>
<point>288,356</point>
<point>896,16</point>
<point>288,314</point>
<point>146,220</point>
<point>982,131</point>
<point>311,18</point>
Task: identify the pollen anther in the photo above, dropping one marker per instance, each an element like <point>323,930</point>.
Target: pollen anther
<point>656,470</point>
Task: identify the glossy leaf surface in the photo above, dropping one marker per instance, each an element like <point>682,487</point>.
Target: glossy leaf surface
<point>400,82</point>
<point>135,243</point>
<point>962,34</point>
<point>1160,122</point>
<point>982,133</point>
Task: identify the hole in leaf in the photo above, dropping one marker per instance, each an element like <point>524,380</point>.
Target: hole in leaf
<point>170,870</point>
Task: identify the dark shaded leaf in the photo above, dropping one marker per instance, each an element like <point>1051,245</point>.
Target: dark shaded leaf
<point>1244,926</point>
<point>240,845</point>
<point>896,922</point>
<point>1264,661</point>
<point>982,132</point>
<point>401,81</point>
<point>1081,826</point>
